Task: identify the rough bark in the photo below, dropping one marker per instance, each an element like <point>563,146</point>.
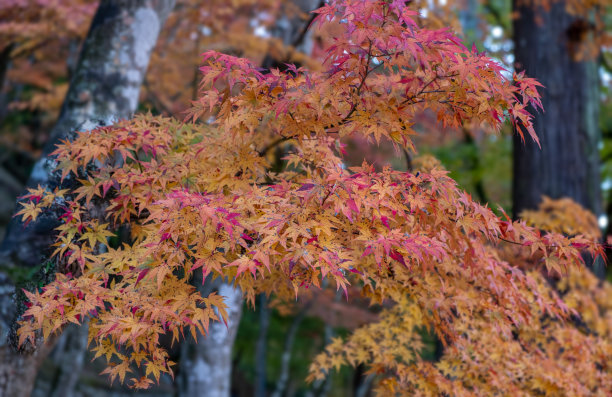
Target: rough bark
<point>547,44</point>
<point>105,87</point>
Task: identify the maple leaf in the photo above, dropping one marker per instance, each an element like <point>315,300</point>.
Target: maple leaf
<point>118,370</point>
<point>155,369</point>
<point>96,233</point>
<point>210,195</point>
<point>29,212</point>
<point>88,189</point>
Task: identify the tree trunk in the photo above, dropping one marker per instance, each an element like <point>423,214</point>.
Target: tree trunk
<point>18,370</point>
<point>206,365</point>
<point>68,355</point>
<point>105,87</point>
<point>547,47</point>
<point>283,377</point>
<point>261,362</point>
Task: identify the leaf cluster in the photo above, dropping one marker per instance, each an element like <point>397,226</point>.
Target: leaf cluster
<point>203,196</point>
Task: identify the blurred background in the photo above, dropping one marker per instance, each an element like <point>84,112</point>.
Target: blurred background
<point>563,43</point>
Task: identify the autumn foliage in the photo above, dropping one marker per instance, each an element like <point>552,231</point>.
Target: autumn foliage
<point>206,195</point>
